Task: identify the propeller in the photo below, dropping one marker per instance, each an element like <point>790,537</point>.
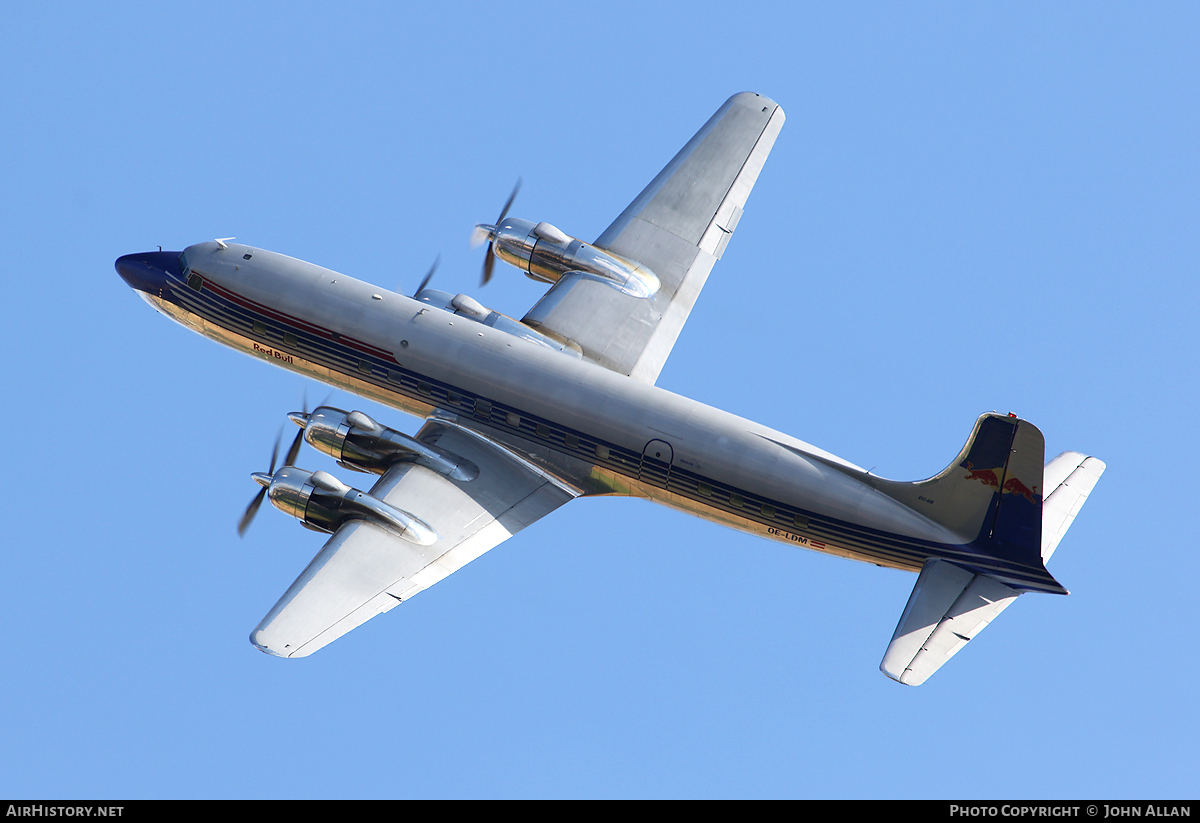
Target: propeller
<point>485,232</point>
<point>428,276</point>
<point>263,480</point>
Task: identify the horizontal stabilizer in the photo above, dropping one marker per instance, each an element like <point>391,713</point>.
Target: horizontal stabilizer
<point>948,606</point>
<point>1069,479</point>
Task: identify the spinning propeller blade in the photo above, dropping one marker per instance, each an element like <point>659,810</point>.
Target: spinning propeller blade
<point>428,276</point>
<point>485,231</point>
<point>252,509</point>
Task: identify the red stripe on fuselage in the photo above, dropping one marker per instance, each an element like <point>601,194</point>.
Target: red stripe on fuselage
<point>274,314</point>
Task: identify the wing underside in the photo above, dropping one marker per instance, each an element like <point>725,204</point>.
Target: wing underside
<point>364,570</point>
<point>677,227</point>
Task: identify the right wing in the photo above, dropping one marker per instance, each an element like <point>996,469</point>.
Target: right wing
<point>364,570</point>
<point>677,227</point>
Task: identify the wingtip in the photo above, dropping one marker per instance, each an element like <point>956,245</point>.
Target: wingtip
<point>753,98</point>
<point>259,641</point>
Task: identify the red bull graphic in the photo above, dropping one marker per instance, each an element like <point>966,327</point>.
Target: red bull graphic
<point>1015,486</point>
<point>988,477</point>
<point>991,477</point>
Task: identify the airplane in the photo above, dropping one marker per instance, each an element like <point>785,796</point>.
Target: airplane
<point>523,416</point>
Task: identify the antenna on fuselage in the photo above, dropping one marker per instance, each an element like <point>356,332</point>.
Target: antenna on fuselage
<point>221,241</point>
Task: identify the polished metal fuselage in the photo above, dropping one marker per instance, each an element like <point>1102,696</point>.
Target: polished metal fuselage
<point>596,431</point>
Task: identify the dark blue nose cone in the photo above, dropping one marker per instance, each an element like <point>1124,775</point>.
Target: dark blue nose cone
<point>147,271</point>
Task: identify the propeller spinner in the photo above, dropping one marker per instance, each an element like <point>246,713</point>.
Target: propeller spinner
<point>483,232</point>
<point>264,478</point>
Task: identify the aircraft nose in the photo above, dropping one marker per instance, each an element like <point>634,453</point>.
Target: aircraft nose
<point>147,271</point>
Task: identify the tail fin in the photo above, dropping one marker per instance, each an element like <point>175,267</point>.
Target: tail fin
<point>949,604</point>
<point>991,495</point>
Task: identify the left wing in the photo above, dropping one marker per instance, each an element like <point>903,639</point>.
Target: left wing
<point>364,570</point>
<point>677,227</point>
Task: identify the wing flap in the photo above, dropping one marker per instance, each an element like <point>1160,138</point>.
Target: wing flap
<point>364,570</point>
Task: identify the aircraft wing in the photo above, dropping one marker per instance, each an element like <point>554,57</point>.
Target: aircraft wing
<point>677,227</point>
<point>364,570</point>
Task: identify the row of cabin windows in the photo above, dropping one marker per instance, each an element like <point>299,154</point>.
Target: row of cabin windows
<point>292,340</point>
<point>289,338</point>
<point>483,410</point>
<point>196,283</point>
<point>738,502</point>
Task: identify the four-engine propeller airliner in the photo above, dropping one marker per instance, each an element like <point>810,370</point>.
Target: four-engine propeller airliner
<point>522,416</point>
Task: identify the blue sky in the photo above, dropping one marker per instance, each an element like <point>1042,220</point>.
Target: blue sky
<point>968,209</point>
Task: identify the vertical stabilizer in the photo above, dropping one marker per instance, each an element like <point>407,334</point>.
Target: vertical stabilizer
<point>991,495</point>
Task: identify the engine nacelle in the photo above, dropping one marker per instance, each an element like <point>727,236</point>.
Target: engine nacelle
<point>545,253</point>
<point>323,503</point>
<point>357,442</point>
<point>466,306</point>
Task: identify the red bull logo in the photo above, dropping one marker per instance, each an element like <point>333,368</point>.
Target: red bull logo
<point>988,477</point>
<point>1015,486</point>
<point>991,477</point>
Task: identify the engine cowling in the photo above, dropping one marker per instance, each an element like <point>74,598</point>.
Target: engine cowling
<point>466,306</point>
<point>323,503</point>
<point>547,254</point>
<point>358,442</point>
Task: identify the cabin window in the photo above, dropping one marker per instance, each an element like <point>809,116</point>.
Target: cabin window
<point>260,328</point>
<point>195,281</point>
<point>453,397</point>
<point>290,339</point>
<point>543,430</point>
<point>572,441</point>
<point>705,489</point>
<point>768,511</point>
<point>736,501</point>
<point>424,388</point>
<point>364,367</point>
<point>395,376</point>
<point>602,451</point>
<point>514,420</point>
<point>800,521</point>
<point>483,409</point>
